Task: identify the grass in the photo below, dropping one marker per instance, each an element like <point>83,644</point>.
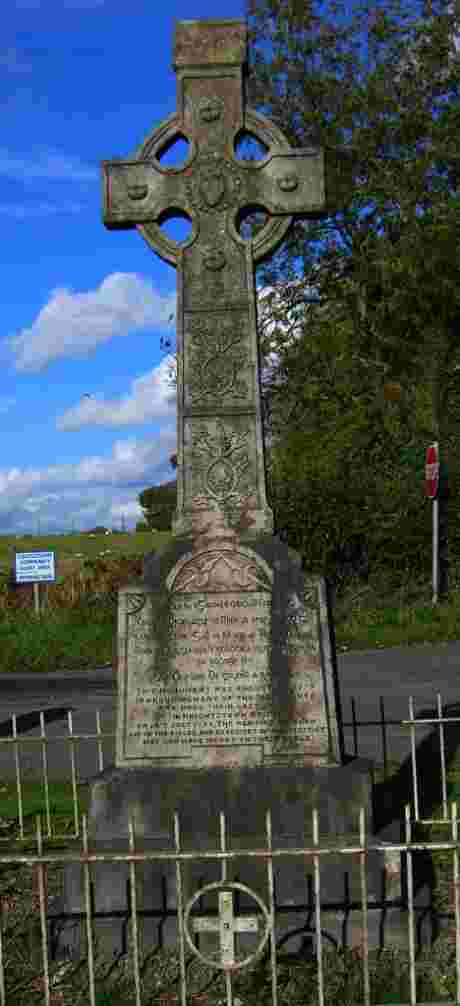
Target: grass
<point>76,633</point>
<point>296,981</point>
<point>73,632</point>
<point>384,613</point>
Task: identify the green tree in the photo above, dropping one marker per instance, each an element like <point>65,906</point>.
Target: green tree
<point>158,504</point>
<point>389,126</point>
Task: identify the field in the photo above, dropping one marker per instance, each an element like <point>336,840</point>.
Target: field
<point>76,626</point>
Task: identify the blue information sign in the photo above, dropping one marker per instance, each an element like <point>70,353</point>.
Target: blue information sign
<point>35,567</point>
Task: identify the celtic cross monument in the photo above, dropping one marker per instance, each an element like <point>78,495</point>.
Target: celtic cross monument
<point>219,425</point>
<point>227,690</point>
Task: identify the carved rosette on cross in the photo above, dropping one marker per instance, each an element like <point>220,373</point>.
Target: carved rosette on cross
<point>219,423</point>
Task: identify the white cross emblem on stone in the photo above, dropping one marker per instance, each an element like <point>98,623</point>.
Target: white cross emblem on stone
<point>227,925</point>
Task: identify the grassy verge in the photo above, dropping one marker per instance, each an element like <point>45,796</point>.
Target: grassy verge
<point>378,614</point>
<point>386,613</point>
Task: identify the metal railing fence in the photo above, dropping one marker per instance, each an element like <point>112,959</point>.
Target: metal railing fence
<point>226,924</point>
<point>412,723</point>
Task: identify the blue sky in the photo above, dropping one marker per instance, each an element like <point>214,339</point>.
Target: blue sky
<point>82,308</point>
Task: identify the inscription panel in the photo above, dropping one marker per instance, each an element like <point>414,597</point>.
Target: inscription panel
<point>215,692</point>
<point>213,704</point>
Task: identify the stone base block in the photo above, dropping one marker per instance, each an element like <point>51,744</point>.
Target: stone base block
<point>151,796</point>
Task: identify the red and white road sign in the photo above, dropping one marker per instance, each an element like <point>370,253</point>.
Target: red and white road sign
<point>432,471</point>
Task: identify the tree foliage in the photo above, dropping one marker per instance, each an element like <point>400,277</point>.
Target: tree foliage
<point>378,90</point>
<point>158,504</point>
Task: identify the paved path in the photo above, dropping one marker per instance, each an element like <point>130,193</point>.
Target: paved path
<point>393,674</point>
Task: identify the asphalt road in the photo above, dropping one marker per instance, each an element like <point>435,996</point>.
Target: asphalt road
<point>393,674</point>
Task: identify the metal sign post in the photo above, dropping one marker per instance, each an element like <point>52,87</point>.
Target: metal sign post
<point>435,550</point>
<point>36,568</point>
<point>431,490</point>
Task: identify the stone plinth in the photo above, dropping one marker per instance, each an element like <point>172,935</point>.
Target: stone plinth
<point>233,709</point>
<point>242,672</point>
<point>152,795</point>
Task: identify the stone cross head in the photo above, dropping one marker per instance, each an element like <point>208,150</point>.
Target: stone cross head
<point>219,423</point>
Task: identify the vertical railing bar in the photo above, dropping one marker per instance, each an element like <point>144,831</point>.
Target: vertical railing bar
<point>443,759</point>
<point>132,877</point>
<point>384,738</point>
<point>99,743</point>
<point>180,913</point>
<point>89,928</point>
<point>354,725</point>
<point>228,977</point>
<point>365,944</point>
<point>45,772</point>
<point>410,892</point>
<point>222,845</point>
<point>457,899</point>
<point>41,894</point>
<point>319,945</point>
<point>413,756</point>
<point>271,901</point>
<point>18,775</point>
<point>2,969</point>
<point>42,867</point>
<point>74,778</point>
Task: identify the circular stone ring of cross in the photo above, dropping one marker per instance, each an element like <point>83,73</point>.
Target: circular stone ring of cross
<point>226,925</point>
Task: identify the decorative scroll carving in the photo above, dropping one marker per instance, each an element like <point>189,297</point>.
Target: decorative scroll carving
<point>218,358</point>
<point>221,464</point>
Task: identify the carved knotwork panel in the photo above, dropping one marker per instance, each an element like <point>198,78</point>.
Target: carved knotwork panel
<point>217,359</point>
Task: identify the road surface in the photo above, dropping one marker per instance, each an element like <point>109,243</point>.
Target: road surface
<point>393,674</point>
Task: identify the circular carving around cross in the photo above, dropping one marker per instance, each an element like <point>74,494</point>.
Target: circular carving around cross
<point>269,237</point>
<point>227,188</point>
<point>225,925</point>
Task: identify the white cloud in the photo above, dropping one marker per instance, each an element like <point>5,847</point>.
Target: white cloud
<point>73,324</point>
<point>50,164</point>
<point>111,484</point>
<point>132,462</point>
<point>151,397</point>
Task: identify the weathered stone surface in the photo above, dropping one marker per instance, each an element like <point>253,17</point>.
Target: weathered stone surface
<point>220,443</point>
<point>247,676</point>
<point>228,696</point>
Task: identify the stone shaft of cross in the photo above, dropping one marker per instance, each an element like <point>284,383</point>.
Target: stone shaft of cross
<point>220,450</point>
